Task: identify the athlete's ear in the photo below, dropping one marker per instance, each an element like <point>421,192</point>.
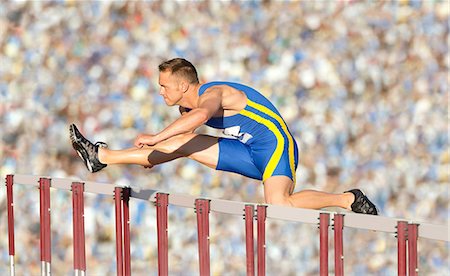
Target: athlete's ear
<point>184,86</point>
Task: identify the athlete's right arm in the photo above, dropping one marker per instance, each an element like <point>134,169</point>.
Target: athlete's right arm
<point>208,104</point>
<point>183,112</point>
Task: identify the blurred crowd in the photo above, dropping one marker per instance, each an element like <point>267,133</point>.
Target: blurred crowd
<point>362,86</point>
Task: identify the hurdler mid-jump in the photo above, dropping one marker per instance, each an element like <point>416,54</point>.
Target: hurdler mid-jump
<point>259,144</point>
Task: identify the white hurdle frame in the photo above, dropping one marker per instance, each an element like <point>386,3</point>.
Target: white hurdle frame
<point>350,220</point>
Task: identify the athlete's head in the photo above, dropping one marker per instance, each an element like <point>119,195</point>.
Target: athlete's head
<point>181,68</point>
<point>175,77</point>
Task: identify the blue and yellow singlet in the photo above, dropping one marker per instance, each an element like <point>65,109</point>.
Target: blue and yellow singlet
<point>260,144</point>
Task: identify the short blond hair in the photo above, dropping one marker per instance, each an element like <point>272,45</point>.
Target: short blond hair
<point>180,67</point>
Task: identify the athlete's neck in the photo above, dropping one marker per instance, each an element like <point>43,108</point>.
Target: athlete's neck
<point>190,97</point>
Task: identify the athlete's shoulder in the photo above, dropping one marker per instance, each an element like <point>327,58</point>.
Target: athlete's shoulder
<point>209,85</point>
<point>224,84</point>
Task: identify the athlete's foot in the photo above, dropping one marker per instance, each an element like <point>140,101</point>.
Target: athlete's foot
<point>86,150</point>
<point>362,204</point>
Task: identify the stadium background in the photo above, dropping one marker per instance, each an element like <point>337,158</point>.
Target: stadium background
<point>363,87</point>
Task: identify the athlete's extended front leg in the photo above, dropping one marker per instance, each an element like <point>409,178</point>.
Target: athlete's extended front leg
<point>146,156</point>
<point>201,148</point>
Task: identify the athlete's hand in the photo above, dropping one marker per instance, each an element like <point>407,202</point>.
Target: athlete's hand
<point>145,140</point>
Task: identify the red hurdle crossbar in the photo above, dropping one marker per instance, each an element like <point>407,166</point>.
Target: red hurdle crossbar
<point>249,239</point>
<point>10,202</point>
<point>162,201</point>
<point>45,229</point>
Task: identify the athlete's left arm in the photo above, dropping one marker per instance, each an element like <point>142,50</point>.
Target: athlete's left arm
<point>208,104</point>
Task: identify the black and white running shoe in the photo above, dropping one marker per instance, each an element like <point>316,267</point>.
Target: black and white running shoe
<point>362,204</point>
<point>86,150</point>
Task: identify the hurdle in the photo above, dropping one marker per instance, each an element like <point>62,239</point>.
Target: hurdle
<point>406,232</point>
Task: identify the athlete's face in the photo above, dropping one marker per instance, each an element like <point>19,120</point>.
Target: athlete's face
<point>170,88</point>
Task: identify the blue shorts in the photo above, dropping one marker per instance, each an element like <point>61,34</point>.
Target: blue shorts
<point>253,160</point>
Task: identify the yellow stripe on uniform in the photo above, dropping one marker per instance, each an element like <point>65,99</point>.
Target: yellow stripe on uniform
<point>272,114</point>
<point>275,158</point>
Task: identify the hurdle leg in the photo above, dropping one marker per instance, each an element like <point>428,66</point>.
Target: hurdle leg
<point>338,245</point>
<point>412,249</point>
<point>44,191</point>
<point>324,224</point>
<point>249,239</point>
<point>41,228</point>
<point>119,244</point>
<point>75,228</point>
<point>10,202</point>
<point>126,231</point>
<point>163,243</point>
<point>402,232</point>
<point>261,238</point>
<point>82,232</point>
<point>202,208</point>
<point>79,259</point>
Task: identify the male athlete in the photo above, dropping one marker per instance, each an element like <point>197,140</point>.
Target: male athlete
<point>259,144</point>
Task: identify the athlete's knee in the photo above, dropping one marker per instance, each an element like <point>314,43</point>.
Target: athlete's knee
<point>277,190</point>
<point>283,200</point>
